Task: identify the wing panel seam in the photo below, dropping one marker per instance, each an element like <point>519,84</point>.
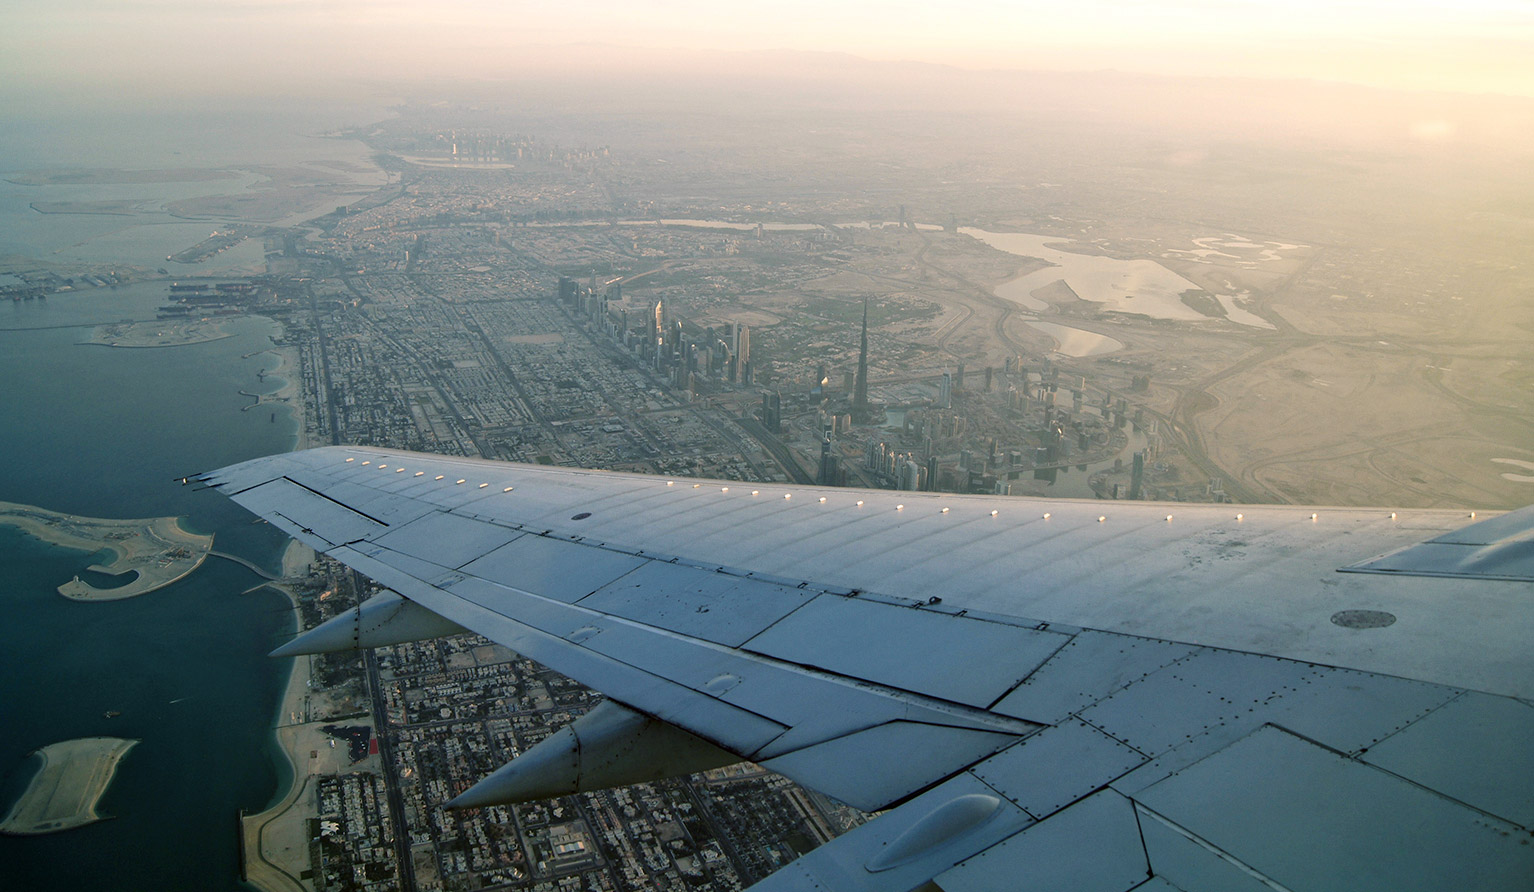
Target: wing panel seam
<point>1207,846</point>
<point>362,514</point>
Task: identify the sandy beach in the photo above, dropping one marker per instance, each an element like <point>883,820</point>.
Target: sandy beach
<point>275,857</point>
<point>158,550</point>
<point>64,792</point>
<point>288,367</point>
<point>276,842</point>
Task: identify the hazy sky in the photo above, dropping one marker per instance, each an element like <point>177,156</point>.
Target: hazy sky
<point>1471,45</point>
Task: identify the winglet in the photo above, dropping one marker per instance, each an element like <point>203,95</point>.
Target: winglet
<point>1499,548</point>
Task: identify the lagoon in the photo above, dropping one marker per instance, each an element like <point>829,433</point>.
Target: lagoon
<point>1142,287</point>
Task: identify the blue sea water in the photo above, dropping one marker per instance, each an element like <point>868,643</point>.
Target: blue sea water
<point>102,432</point>
<point>208,134</point>
<point>107,432</point>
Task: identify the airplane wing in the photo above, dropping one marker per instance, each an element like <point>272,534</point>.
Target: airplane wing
<point>1044,694</point>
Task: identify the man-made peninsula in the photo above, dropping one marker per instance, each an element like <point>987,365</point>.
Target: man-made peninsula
<point>156,549</point>
<point>64,792</point>
<point>158,333</point>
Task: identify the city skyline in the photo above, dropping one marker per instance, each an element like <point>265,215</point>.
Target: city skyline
<point>742,329</point>
<point>1479,47</point>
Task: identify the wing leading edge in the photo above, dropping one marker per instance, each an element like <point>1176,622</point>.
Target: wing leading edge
<point>1011,750</point>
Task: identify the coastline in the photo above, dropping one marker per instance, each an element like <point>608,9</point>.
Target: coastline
<point>157,549</point>
<point>289,368</point>
<point>291,395</point>
<point>64,793</point>
<point>275,845</point>
<point>274,842</point>
<point>139,846</point>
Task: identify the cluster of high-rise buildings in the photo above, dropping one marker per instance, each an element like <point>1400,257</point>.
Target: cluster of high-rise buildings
<point>660,338</point>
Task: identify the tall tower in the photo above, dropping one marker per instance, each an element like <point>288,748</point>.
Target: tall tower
<point>860,386</point>
<point>827,475</point>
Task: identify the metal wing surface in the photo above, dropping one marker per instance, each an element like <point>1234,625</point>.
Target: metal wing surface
<point>1043,693</point>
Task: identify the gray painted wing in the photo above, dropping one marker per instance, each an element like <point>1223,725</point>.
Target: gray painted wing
<point>1047,693</point>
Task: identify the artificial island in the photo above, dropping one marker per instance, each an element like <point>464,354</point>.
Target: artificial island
<point>156,550</point>
<point>65,791</point>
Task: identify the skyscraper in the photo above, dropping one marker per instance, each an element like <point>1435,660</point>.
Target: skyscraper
<point>772,411</point>
<point>860,386</point>
<point>827,475</point>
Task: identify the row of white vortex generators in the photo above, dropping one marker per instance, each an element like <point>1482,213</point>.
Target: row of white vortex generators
<point>1101,518</point>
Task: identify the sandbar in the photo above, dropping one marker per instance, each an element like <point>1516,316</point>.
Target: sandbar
<point>157,549</point>
<point>64,792</point>
<point>113,176</point>
<point>126,207</point>
<point>160,333</point>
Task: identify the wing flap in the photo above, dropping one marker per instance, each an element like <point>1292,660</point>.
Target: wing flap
<point>447,539</point>
<point>871,768</point>
<point>1093,846</point>
<point>844,864</point>
<point>700,686</point>
<point>1192,864</point>
<point>729,726</point>
<point>1057,766</point>
<point>957,658</point>
<point>1091,666</point>
<point>562,570</point>
<point>1309,818</point>
<point>302,512</point>
<point>1459,751</point>
<point>717,607</point>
